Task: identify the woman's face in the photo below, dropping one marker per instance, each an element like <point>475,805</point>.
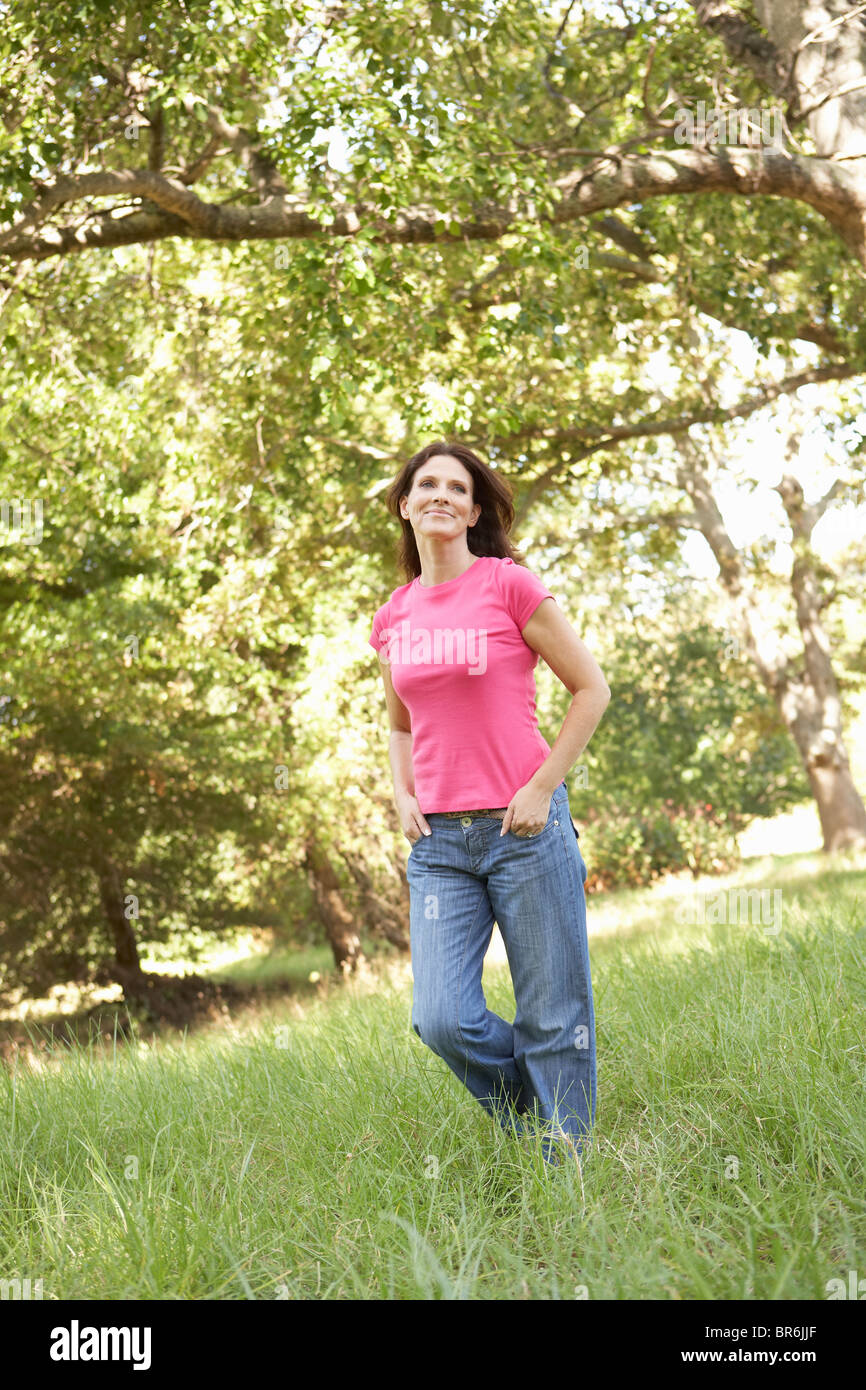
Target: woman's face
<point>439,503</point>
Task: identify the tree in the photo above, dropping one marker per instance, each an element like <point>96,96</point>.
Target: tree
<point>151,63</point>
<point>222,335</point>
<point>805,690</point>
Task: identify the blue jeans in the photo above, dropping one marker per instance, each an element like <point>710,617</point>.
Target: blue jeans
<point>461,877</point>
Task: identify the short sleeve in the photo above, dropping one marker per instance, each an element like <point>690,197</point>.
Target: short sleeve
<point>522,590</point>
<point>380,621</point>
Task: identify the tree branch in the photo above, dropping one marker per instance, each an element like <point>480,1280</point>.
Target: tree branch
<point>762,642</point>
<point>261,170</point>
<point>746,44</point>
<point>156,152</point>
<point>805,518</point>
<point>837,194</point>
<point>195,170</point>
<point>616,434</point>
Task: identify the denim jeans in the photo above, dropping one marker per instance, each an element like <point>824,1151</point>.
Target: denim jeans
<point>461,877</point>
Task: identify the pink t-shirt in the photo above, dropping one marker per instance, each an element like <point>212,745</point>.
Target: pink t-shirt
<point>465,674</point>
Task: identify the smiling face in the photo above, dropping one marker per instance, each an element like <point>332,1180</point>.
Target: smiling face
<point>439,503</point>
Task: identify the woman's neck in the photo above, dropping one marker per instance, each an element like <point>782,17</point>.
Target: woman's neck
<point>438,569</point>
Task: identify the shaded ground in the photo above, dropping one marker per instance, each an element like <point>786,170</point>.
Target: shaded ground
<point>173,1001</point>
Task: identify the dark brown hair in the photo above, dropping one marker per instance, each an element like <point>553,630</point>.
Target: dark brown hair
<point>489,535</point>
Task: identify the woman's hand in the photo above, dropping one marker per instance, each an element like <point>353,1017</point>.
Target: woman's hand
<point>412,819</point>
<point>527,811</point>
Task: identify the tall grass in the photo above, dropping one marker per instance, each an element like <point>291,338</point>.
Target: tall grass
<point>319,1150</point>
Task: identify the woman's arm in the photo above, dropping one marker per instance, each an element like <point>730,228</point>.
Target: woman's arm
<point>550,634</point>
<point>400,758</point>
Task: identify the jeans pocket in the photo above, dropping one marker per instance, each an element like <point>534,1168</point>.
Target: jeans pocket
<point>552,818</point>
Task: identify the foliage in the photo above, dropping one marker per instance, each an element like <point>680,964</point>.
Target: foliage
<point>210,427</point>
<point>695,750</point>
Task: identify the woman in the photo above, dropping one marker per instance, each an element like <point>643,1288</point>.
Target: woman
<point>480,795</point>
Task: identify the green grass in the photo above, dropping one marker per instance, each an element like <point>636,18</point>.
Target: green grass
<point>350,1163</point>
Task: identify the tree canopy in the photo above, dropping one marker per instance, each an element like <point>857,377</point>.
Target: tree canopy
<point>251,257</point>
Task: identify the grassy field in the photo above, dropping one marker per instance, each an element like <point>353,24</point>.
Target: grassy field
<point>316,1149</point>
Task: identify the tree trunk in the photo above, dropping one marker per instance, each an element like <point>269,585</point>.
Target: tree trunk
<point>380,915</point>
<point>807,700</point>
<point>843,817</point>
<point>811,706</point>
<point>823,47</point>
<point>126,968</point>
<point>813,718</point>
<point>339,924</point>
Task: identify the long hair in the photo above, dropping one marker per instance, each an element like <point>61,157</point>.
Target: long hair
<point>489,535</point>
